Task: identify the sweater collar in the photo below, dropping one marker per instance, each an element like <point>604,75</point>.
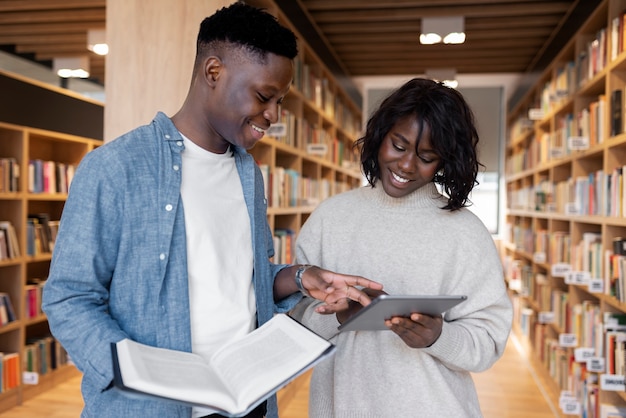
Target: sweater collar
<point>426,196</point>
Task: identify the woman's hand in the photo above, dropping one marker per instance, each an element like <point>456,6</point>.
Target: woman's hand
<point>417,331</point>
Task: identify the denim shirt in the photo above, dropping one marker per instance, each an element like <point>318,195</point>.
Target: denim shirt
<point>119,268</point>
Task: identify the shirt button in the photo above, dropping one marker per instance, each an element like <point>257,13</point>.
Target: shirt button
<point>179,143</point>
<point>161,256</point>
<point>168,207</point>
<point>176,167</point>
<point>167,136</point>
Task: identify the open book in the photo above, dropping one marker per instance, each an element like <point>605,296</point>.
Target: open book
<point>237,378</point>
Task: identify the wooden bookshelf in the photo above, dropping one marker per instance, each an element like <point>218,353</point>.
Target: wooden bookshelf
<point>309,156</point>
<point>23,146</point>
<point>566,145</point>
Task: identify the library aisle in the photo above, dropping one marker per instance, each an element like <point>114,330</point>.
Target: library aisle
<point>508,390</point>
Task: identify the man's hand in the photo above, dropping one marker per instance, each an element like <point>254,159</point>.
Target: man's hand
<point>354,307</point>
<point>336,290</point>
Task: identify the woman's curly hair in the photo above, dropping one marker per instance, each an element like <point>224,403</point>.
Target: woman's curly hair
<point>453,135</point>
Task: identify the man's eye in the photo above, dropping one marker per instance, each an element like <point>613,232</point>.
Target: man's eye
<point>263,98</point>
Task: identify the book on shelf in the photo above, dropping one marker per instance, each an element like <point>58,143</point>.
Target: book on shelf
<point>7,313</point>
<point>234,380</point>
<point>9,246</point>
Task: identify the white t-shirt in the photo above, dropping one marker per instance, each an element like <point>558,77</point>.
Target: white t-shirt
<point>219,250</point>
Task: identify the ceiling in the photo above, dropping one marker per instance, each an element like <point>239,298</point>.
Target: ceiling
<point>353,37</point>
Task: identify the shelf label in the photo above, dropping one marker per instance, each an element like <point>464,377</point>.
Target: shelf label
<point>571,209</point>
<point>556,153</point>
<point>578,143</point>
<point>571,407</point>
<point>317,149</point>
<point>596,286</point>
<point>568,403</point>
<point>583,354</point>
<point>612,382</point>
<point>577,277</point>
<point>536,114</point>
<point>277,130</point>
<point>545,317</point>
<point>595,364</point>
<point>560,269</point>
<point>30,378</point>
<point>539,257</point>
<point>568,340</point>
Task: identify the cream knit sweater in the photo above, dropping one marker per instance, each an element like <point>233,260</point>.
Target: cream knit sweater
<point>411,246</point>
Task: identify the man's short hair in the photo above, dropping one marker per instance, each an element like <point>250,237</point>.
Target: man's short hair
<point>248,26</point>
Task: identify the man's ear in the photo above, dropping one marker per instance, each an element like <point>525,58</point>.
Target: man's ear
<point>212,69</point>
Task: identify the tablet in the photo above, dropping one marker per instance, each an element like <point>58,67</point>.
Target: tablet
<point>372,317</point>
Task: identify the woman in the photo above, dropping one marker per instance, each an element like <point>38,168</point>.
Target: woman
<point>401,231</point>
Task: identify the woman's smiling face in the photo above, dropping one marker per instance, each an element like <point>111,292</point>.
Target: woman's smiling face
<point>406,159</point>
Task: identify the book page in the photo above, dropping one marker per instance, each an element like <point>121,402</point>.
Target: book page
<point>171,374</point>
<point>267,358</point>
<point>242,373</point>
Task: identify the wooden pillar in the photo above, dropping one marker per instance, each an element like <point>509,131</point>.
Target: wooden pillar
<point>152,45</point>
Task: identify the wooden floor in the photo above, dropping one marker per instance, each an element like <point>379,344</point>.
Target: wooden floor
<point>508,390</point>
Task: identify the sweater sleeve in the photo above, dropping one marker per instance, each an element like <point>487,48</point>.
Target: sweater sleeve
<point>475,333</point>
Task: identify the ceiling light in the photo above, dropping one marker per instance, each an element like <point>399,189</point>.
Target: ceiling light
<point>449,29</point>
<point>96,41</point>
<point>71,67</point>
<point>445,75</point>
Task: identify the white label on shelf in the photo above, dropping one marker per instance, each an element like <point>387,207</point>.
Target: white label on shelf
<point>595,364</point>
<point>550,207</point>
<point>317,149</point>
<point>596,286</point>
<point>536,114</point>
<point>571,209</point>
<point>612,382</point>
<point>571,407</point>
<point>546,317</point>
<point>539,257</point>
<point>556,153</point>
<point>560,269</point>
<point>565,396</point>
<point>582,354</point>
<point>577,277</point>
<point>277,130</point>
<point>568,340</point>
<point>30,378</point>
<point>578,143</point>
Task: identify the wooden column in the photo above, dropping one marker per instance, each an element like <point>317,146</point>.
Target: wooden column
<point>152,46</point>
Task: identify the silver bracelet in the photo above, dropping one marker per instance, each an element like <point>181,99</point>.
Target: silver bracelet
<point>298,278</point>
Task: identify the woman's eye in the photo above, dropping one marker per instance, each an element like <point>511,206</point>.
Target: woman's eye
<point>397,147</point>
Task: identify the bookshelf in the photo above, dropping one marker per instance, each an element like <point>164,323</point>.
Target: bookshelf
<point>308,155</point>
<point>26,191</point>
<point>566,217</point>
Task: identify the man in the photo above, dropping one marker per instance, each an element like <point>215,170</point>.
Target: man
<point>164,237</point>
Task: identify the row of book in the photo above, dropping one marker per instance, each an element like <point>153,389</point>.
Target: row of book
<point>585,355</point>
<point>586,263</point>
<point>597,194</point>
<point>32,297</point>
<point>9,175</point>
<point>9,245</point>
<point>573,74</point>
<point>286,187</point>
<point>284,246</point>
<point>42,355</point>
<point>309,137</point>
<point>41,233</point>
<point>49,176</point>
